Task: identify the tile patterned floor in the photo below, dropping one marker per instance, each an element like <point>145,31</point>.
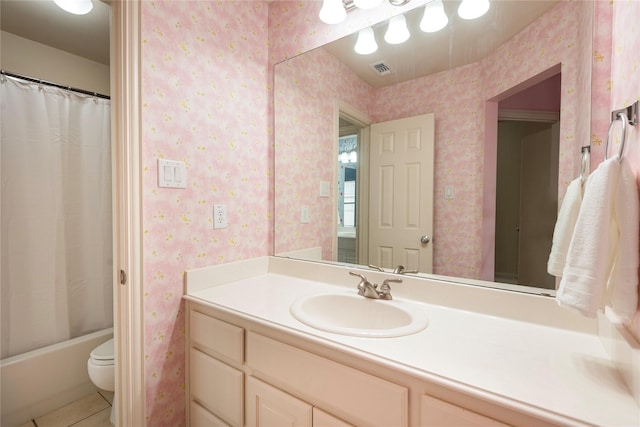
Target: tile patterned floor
<point>91,411</point>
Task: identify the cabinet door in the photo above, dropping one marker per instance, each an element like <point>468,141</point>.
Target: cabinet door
<point>200,417</point>
<point>322,419</point>
<point>269,407</point>
<point>438,413</point>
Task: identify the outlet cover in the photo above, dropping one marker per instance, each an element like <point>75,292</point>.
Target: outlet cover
<point>219,216</point>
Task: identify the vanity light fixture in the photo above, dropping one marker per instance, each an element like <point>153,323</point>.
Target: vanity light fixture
<point>335,11</point>
<point>472,9</point>
<point>332,12</point>
<point>348,157</point>
<point>397,31</point>
<point>77,7</point>
<point>366,42</point>
<point>434,18</point>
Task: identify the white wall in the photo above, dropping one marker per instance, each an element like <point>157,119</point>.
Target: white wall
<point>26,57</point>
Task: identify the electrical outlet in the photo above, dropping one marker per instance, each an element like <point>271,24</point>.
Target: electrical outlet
<point>219,216</point>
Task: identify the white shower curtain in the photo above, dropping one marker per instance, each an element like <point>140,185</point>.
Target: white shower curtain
<point>56,215</point>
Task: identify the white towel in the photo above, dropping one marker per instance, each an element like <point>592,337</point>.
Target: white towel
<point>565,225</point>
<point>623,283</point>
<point>606,232</point>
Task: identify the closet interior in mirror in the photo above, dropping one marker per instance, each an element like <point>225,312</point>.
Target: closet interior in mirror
<point>509,94</point>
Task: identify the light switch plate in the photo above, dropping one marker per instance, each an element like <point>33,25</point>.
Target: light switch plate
<point>304,215</point>
<point>449,192</point>
<point>172,174</point>
<point>325,188</point>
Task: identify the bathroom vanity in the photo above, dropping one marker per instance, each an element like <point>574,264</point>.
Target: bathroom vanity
<point>485,357</point>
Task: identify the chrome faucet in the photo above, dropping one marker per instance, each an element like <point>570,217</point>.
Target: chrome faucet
<point>369,290</point>
<point>401,270</point>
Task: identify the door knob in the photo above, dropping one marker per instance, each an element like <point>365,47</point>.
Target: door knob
<point>425,239</point>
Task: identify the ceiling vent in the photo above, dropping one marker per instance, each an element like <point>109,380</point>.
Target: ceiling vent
<point>381,68</point>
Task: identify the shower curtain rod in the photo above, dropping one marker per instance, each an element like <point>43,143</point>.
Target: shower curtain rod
<point>44,82</point>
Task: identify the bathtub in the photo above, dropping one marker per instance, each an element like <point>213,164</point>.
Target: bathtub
<point>40,381</point>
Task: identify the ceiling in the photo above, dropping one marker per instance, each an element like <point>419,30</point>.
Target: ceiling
<point>461,42</point>
<point>44,22</point>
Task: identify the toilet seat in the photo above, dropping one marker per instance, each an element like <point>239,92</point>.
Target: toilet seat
<point>103,354</point>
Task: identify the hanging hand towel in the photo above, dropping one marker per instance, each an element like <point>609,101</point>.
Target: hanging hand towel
<point>565,225</point>
<point>589,258</point>
<point>623,283</point>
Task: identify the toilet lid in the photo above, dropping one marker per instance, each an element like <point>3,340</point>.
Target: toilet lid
<point>104,351</point>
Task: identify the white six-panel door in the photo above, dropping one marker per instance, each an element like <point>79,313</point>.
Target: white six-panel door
<point>401,193</point>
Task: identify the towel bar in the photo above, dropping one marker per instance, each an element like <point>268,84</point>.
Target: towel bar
<point>622,116</point>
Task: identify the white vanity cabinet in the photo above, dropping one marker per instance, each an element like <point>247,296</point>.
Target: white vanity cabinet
<point>242,372</point>
<point>275,384</point>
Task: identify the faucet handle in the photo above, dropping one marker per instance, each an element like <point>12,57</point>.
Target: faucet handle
<point>375,267</point>
<point>363,282</point>
<point>401,270</point>
<point>361,276</point>
<point>385,289</point>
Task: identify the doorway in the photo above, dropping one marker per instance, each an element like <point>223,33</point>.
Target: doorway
<point>347,188</point>
<point>526,201</point>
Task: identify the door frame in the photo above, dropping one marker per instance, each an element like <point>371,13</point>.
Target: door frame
<point>361,119</point>
<point>126,142</point>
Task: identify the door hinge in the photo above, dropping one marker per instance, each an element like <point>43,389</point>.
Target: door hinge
<point>123,277</point>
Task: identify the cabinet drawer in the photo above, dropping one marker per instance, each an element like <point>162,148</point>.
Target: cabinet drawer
<point>200,417</point>
<point>216,338</point>
<point>217,387</point>
<point>355,396</point>
<point>438,413</point>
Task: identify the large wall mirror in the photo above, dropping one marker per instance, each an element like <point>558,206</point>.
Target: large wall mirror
<point>502,105</point>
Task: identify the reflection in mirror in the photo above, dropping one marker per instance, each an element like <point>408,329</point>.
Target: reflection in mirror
<point>526,183</point>
<point>467,98</point>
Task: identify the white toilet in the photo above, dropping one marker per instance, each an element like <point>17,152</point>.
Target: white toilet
<point>102,370</point>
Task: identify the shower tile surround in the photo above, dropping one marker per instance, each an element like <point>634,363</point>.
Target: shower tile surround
<point>206,101</point>
<point>517,351</point>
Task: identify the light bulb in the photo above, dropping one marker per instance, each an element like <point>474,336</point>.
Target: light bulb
<point>367,4</point>
<point>434,18</point>
<point>332,12</point>
<point>77,7</point>
<point>366,42</point>
<point>397,31</point>
<point>472,9</point>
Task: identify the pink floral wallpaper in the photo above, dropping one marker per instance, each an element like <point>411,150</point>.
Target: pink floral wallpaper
<point>205,102</point>
<point>306,144</point>
<point>625,84</point>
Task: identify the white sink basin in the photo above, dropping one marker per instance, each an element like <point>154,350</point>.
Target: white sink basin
<point>359,316</point>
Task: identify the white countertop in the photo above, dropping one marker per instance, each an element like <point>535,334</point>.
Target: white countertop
<point>560,375</point>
